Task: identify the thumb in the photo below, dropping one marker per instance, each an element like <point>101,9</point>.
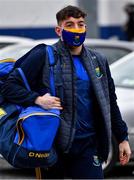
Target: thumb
<point>47,94</point>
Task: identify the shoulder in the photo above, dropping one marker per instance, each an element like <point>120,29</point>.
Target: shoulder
<point>100,57</point>
<point>37,52</point>
<point>39,47</point>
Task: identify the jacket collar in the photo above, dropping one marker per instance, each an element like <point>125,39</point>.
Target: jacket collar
<point>61,48</point>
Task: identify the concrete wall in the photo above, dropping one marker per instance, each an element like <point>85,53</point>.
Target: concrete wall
<point>30,18</point>
<point>90,6</point>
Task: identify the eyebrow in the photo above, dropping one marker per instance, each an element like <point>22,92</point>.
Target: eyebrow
<point>73,22</point>
<point>81,21</point>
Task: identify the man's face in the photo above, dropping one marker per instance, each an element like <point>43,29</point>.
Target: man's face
<point>70,23</point>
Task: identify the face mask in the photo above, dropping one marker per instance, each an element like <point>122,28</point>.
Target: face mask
<point>74,37</point>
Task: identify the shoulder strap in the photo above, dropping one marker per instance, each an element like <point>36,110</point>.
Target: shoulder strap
<point>50,52</point>
<point>51,62</point>
<point>24,79</point>
<point>55,81</point>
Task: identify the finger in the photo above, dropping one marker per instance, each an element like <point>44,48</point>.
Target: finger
<point>47,94</point>
<point>54,100</point>
<point>56,104</point>
<point>57,107</point>
<point>120,154</point>
<point>125,159</point>
<point>57,99</point>
<point>52,107</point>
<point>128,156</point>
<point>123,163</point>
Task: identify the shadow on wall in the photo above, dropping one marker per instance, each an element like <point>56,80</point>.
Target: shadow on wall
<point>129,26</point>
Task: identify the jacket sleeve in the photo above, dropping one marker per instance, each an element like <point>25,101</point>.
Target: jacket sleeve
<point>119,127</point>
<point>14,89</point>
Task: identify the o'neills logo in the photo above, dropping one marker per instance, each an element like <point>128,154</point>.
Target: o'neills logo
<point>38,155</point>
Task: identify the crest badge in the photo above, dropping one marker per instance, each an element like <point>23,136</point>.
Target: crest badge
<point>98,72</point>
<point>96,161</point>
<point>2,113</point>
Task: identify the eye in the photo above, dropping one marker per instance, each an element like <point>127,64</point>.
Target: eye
<point>69,25</point>
<point>82,25</point>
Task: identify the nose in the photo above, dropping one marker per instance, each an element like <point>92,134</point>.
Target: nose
<point>76,26</point>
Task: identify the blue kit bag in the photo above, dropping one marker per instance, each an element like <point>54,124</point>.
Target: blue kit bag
<point>27,134</point>
<point>6,66</point>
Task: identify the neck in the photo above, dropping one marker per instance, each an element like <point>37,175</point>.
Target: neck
<point>76,50</point>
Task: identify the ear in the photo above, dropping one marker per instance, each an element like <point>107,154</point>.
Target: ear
<point>58,30</point>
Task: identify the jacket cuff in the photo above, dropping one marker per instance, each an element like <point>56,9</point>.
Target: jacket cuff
<point>126,138</point>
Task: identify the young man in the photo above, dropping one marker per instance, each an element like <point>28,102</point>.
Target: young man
<point>88,104</point>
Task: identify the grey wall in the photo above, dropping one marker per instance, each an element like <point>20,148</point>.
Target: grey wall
<point>90,6</point>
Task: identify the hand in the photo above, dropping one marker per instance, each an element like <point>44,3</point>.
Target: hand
<point>124,152</point>
<point>48,102</point>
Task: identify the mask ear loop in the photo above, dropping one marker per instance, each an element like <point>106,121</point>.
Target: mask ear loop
<point>85,28</point>
<point>61,33</point>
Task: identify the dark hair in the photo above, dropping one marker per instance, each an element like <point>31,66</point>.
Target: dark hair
<point>69,11</point>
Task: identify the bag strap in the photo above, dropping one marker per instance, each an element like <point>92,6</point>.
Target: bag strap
<point>51,62</point>
<point>24,79</point>
<point>38,173</point>
<point>55,81</point>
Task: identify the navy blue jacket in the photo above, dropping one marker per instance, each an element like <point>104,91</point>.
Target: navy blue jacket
<point>36,68</point>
